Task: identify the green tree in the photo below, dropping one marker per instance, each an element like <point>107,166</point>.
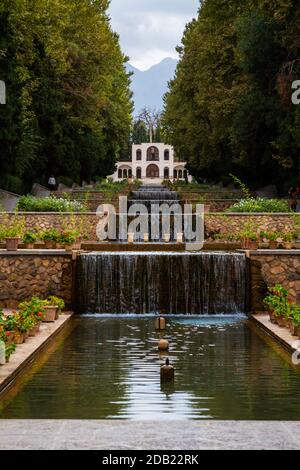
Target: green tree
<point>229,107</point>
<point>69,107</point>
<point>139,132</point>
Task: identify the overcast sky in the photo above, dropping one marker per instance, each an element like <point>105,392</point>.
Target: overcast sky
<point>151,29</point>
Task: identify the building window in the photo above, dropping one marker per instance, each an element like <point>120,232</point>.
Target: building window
<point>185,174</point>
<point>152,154</point>
<point>139,155</point>
<point>125,174</point>
<point>180,174</point>
<point>175,174</point>
<point>167,155</point>
<point>166,173</point>
<point>139,173</point>
<point>120,174</point>
<point>130,173</point>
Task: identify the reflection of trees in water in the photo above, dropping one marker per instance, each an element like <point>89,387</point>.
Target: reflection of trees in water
<point>111,368</point>
<point>81,380</point>
<point>244,377</point>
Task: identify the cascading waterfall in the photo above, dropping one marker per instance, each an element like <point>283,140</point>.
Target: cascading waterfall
<point>154,193</point>
<point>149,195</point>
<point>152,197</point>
<point>166,283</point>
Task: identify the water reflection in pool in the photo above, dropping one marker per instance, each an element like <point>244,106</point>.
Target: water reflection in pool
<point>109,367</point>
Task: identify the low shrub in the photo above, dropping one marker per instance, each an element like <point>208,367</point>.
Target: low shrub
<point>109,188</point>
<point>260,205</point>
<point>49,204</point>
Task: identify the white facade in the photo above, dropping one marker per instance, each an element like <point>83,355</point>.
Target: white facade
<point>152,163</point>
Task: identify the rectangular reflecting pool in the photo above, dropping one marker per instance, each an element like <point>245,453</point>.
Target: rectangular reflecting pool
<point>109,367</point>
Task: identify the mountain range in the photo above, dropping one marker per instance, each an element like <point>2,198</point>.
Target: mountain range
<point>149,86</point>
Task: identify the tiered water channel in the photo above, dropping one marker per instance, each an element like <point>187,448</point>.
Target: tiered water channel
<point>155,198</point>
<point>155,194</point>
<point>109,366</point>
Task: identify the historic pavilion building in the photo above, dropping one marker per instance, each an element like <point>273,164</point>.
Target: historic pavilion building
<point>152,163</point>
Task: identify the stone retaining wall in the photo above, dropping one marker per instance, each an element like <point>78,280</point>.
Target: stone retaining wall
<point>214,222</point>
<point>25,275</point>
<point>48,272</point>
<point>214,205</point>
<point>233,223</point>
<point>267,268</point>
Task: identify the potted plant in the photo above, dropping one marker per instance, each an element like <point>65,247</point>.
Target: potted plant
<point>12,238</point>
<point>31,323</point>
<point>35,328</point>
<point>68,239</point>
<point>29,239</point>
<point>271,303</point>
<point>253,241</point>
<point>294,320</point>
<point>77,227</point>
<point>248,236</point>
<point>244,242</point>
<point>7,324</point>
<point>19,337</point>
<point>249,240</point>
<point>10,324</point>
<point>13,232</point>
<point>22,330</point>
<point>9,350</point>
<point>278,305</point>
<point>34,311</point>
<point>50,238</point>
<point>287,240</point>
<point>6,336</point>
<point>273,240</point>
<point>264,242</point>
<point>50,313</point>
<point>53,300</point>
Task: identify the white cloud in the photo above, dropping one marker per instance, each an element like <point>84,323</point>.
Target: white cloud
<point>150,30</point>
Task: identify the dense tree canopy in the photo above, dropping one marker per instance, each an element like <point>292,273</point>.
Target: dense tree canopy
<point>69,105</point>
<point>229,108</point>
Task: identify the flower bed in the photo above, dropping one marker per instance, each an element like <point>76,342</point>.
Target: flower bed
<point>25,322</point>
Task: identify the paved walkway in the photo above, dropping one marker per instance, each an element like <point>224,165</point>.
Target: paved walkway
<point>148,435</point>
